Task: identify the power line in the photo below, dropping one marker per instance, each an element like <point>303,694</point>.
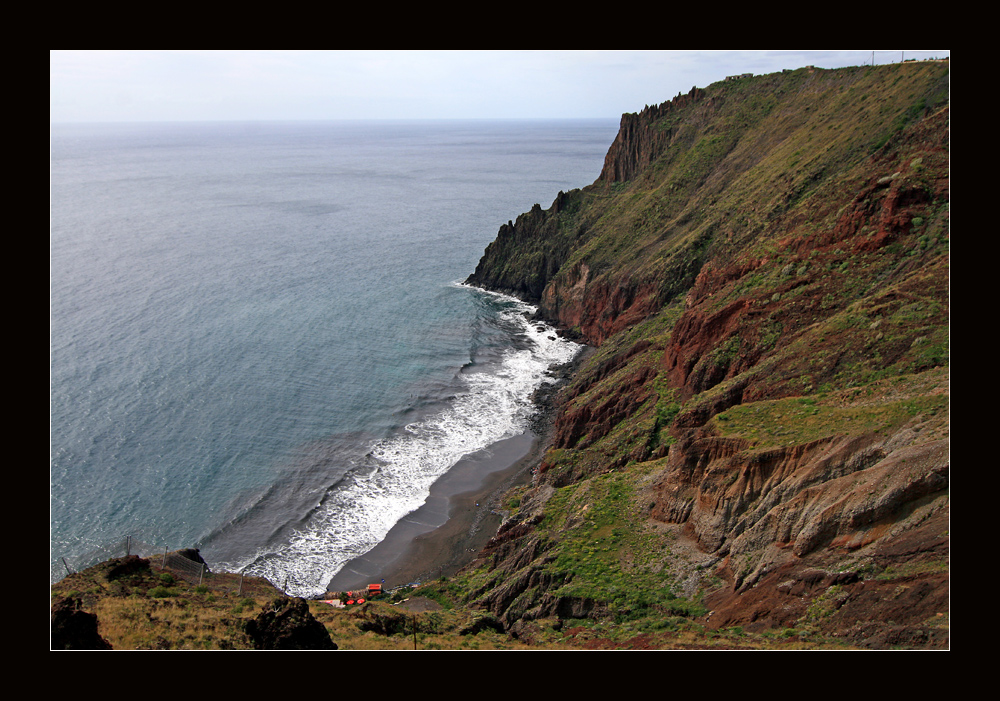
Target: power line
<point>912,54</point>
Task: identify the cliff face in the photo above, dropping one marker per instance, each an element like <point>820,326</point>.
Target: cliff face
<point>642,138</point>
<point>763,268</point>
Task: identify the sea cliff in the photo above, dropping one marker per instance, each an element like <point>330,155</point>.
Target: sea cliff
<point>754,451</point>
<point>762,432</point>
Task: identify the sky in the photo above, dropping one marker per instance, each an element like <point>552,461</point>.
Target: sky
<point>223,85</point>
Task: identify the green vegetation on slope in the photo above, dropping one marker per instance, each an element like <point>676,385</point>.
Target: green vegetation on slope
<point>773,275</point>
<point>774,272</point>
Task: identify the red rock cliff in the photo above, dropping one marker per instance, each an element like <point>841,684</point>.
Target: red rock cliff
<point>764,269</point>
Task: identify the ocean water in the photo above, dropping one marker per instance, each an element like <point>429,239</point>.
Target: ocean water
<point>260,345</point>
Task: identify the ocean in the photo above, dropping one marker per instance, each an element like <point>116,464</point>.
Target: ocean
<point>260,343</point>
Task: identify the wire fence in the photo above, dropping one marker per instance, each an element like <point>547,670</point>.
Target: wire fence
<point>184,564</point>
<point>121,548</point>
<point>179,564</point>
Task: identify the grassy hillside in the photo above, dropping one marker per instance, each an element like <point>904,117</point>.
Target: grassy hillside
<point>756,451</point>
<point>140,607</point>
<point>763,266</point>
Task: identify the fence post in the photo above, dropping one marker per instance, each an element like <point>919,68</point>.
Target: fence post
<point>163,563</point>
<point>68,570</point>
<point>201,575</point>
<point>240,592</point>
<point>128,545</point>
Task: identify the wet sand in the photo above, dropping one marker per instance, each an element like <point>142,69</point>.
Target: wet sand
<point>459,517</point>
<point>463,510</point>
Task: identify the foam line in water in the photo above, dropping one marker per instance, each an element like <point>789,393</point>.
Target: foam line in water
<point>493,405</point>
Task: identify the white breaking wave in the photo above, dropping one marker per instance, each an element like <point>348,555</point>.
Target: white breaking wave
<point>358,515</point>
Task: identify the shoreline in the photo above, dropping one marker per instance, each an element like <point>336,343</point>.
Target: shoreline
<point>459,517</point>
<point>463,511</point>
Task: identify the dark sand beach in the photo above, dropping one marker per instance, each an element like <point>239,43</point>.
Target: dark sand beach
<point>459,517</point>
<point>463,510</point>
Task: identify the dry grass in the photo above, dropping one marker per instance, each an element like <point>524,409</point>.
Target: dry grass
<point>174,623</point>
<point>196,618</point>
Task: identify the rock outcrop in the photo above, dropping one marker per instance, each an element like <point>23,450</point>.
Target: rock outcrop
<point>640,141</point>
<point>764,508</point>
<point>73,628</point>
<point>758,241</point>
<point>287,624</point>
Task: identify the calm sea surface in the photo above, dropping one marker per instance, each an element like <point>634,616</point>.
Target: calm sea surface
<point>260,346</point>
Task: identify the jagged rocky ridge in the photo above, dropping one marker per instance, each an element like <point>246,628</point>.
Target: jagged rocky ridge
<point>762,266</point>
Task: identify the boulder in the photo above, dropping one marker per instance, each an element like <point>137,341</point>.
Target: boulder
<point>73,628</point>
<point>287,624</point>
